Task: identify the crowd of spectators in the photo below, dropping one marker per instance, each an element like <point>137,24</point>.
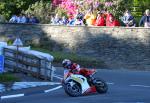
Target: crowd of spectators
<point>22,18</point>
<point>102,18</point>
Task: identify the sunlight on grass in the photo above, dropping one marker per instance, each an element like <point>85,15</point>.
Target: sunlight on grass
<point>82,60</point>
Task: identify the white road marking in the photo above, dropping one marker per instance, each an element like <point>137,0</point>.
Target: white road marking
<point>12,96</point>
<point>128,102</point>
<point>110,83</point>
<point>53,89</point>
<point>145,86</point>
<point>58,77</point>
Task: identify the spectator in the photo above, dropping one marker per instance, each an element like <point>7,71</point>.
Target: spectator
<point>79,15</point>
<point>90,18</point>
<point>145,20</point>
<point>71,21</point>
<point>23,19</point>
<point>28,18</point>
<point>107,15</point>
<point>52,19</point>
<point>64,21</point>
<point>100,21</point>
<point>19,18</point>
<point>128,19</point>
<point>57,19</point>
<point>78,21</point>
<point>13,19</point>
<point>33,20</point>
<point>112,21</point>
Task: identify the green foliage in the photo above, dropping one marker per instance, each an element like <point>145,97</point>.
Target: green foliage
<point>41,10</point>
<point>139,7</point>
<point>118,7</point>
<point>84,61</point>
<point>9,7</point>
<point>61,12</point>
<point>8,77</point>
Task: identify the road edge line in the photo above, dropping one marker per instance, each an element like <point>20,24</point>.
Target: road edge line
<point>49,90</point>
<point>12,96</point>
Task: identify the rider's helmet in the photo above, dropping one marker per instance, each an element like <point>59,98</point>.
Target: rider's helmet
<point>66,63</point>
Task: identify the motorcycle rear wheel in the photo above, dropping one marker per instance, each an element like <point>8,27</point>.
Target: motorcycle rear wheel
<point>101,86</point>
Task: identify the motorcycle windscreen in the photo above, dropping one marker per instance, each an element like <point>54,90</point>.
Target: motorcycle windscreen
<point>65,73</point>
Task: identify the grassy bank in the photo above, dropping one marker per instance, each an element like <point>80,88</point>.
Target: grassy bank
<point>82,60</point>
<point>8,77</point>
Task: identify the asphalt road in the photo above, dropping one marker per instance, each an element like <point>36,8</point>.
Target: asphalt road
<point>124,87</point>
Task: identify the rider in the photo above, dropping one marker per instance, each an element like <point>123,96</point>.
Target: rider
<point>75,68</point>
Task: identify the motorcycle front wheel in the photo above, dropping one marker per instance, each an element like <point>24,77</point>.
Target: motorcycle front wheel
<point>73,90</point>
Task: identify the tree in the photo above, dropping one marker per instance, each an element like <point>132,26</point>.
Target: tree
<point>40,9</point>
<point>9,7</point>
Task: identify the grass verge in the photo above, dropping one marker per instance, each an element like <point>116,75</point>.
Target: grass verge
<point>8,77</point>
<point>82,60</point>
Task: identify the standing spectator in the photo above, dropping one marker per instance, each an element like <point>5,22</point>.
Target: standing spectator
<point>112,21</point>
<point>13,19</point>
<point>145,19</point>
<point>128,19</point>
<point>100,21</point>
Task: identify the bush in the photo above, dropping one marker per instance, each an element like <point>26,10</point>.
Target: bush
<point>41,10</point>
<point>116,7</point>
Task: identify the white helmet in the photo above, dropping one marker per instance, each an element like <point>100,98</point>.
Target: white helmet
<point>66,63</point>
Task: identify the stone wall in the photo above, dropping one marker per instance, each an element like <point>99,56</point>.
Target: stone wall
<point>119,47</point>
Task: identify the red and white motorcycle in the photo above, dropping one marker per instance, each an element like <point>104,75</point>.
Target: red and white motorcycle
<point>77,85</point>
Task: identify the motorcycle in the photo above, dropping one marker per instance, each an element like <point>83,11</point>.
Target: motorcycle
<point>77,84</point>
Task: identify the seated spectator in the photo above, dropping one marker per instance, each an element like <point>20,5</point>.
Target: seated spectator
<point>78,21</point>
<point>100,21</point>
<point>107,15</point>
<point>79,15</point>
<point>63,21</point>
<point>71,21</point>
<point>145,20</point>
<point>33,20</point>
<point>23,19</point>
<point>19,18</point>
<point>56,19</point>
<point>112,21</point>
<point>52,19</point>
<point>90,18</point>
<point>13,19</point>
<point>28,18</point>
<point>128,19</point>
